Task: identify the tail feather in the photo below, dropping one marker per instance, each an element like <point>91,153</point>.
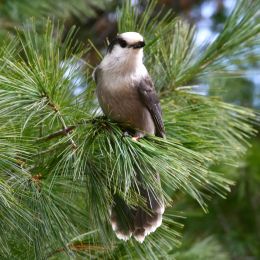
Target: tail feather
<point>121,219</point>
<point>139,222</point>
<point>148,220</point>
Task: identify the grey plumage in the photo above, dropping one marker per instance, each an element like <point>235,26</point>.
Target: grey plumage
<point>127,95</point>
<point>149,98</point>
<point>125,104</point>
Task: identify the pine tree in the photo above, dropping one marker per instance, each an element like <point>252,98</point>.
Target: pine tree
<point>61,163</point>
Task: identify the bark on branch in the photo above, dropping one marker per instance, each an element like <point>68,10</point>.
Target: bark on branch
<point>64,131</point>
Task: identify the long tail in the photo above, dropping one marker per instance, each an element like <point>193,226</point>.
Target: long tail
<point>139,222</point>
<point>148,220</point>
<point>122,219</point>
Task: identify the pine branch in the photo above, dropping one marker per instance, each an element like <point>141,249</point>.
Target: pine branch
<point>82,247</point>
<point>57,134</point>
<point>74,146</point>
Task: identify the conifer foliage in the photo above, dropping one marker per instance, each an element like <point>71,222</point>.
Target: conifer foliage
<point>61,163</point>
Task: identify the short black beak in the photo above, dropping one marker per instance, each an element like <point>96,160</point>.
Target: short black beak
<point>138,45</point>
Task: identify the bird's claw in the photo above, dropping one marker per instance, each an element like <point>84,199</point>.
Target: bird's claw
<point>136,138</point>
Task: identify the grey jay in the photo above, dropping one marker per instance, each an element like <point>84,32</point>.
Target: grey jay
<point>127,95</point>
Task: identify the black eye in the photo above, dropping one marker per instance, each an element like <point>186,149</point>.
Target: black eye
<point>122,43</point>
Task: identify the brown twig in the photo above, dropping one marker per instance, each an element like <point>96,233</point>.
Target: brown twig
<point>79,248</point>
<point>57,111</point>
<point>63,131</point>
<point>36,179</point>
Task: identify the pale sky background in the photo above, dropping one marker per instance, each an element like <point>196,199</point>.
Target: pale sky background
<point>205,34</point>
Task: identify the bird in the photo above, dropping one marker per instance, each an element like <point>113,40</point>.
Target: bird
<point>126,95</point>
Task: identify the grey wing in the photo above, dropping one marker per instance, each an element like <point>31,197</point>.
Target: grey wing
<point>149,97</point>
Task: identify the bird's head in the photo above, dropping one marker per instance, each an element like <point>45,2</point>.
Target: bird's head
<point>126,50</point>
<point>128,43</point>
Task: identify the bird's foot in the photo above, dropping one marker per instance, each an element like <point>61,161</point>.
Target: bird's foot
<point>138,135</point>
<point>136,138</point>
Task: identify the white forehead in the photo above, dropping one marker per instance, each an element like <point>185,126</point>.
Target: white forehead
<point>132,37</point>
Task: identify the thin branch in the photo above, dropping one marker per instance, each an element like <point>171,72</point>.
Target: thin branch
<point>79,248</point>
<point>63,131</point>
<point>54,107</point>
<point>65,127</point>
